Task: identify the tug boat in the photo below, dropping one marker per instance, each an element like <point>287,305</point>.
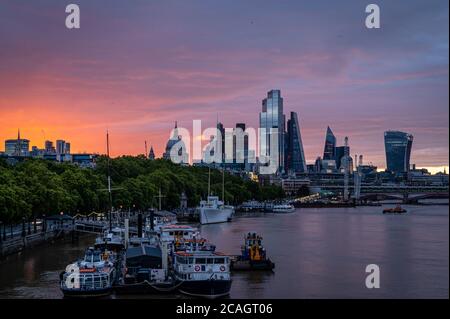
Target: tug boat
<point>93,276</point>
<point>253,255</point>
<point>397,210</point>
<point>202,273</point>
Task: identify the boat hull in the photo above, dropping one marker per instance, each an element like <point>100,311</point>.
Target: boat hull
<point>206,288</point>
<point>252,265</point>
<point>215,215</point>
<point>78,293</point>
<point>145,288</point>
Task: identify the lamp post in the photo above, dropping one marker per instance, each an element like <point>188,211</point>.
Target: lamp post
<point>4,232</point>
<point>29,227</point>
<point>23,227</point>
<point>44,223</point>
<point>1,237</point>
<point>34,225</point>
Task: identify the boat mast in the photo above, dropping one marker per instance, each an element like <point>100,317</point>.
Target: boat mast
<point>109,180</point>
<point>223,185</point>
<point>209,181</point>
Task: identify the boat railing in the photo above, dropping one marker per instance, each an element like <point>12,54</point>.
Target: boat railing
<point>87,281</point>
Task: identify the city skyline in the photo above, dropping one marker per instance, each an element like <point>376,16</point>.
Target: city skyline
<point>79,83</point>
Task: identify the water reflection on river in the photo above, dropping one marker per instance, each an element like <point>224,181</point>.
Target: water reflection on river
<point>319,253</point>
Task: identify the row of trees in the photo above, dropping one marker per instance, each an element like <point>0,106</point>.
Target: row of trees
<point>36,187</point>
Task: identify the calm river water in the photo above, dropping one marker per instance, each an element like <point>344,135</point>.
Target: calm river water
<point>319,253</point>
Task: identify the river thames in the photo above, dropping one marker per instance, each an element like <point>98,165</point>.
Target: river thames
<point>319,253</point>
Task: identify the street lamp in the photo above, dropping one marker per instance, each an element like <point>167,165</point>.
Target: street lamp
<point>23,227</point>
<point>4,232</point>
<point>1,237</point>
<point>35,226</point>
<point>44,223</point>
<point>29,227</point>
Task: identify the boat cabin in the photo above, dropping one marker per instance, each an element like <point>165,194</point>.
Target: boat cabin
<point>201,266</point>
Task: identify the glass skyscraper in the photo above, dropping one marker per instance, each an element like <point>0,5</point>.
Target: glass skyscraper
<point>339,154</point>
<point>329,151</point>
<point>398,150</point>
<point>272,117</point>
<point>295,156</point>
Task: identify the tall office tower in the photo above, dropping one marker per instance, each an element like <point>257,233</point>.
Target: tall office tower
<point>221,129</point>
<point>398,150</point>
<point>240,150</point>
<point>67,148</point>
<point>330,145</point>
<point>17,147</point>
<point>272,117</point>
<point>295,155</point>
<point>151,155</point>
<point>60,147</point>
<point>339,154</point>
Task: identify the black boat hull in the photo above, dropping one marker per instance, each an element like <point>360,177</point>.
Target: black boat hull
<point>97,293</point>
<point>206,288</point>
<point>145,288</point>
<point>262,265</point>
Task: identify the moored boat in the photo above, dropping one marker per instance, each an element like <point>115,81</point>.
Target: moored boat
<point>202,273</point>
<point>214,211</point>
<point>93,276</point>
<point>283,208</point>
<point>397,210</point>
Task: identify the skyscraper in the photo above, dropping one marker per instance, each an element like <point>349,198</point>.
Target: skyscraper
<point>295,156</point>
<point>240,152</point>
<point>329,151</point>
<point>60,147</point>
<point>272,117</point>
<point>398,150</point>
<point>339,154</point>
<point>221,129</point>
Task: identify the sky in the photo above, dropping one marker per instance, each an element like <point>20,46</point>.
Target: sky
<point>134,67</point>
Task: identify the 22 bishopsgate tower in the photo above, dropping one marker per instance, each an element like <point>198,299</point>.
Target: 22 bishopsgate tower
<point>291,157</point>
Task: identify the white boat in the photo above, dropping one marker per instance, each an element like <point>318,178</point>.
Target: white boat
<point>214,211</point>
<point>252,206</point>
<point>283,208</point>
<point>93,276</point>
<point>202,273</point>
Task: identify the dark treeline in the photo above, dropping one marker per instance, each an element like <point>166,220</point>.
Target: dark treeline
<point>35,187</point>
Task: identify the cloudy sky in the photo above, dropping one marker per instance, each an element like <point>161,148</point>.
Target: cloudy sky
<point>135,67</point>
